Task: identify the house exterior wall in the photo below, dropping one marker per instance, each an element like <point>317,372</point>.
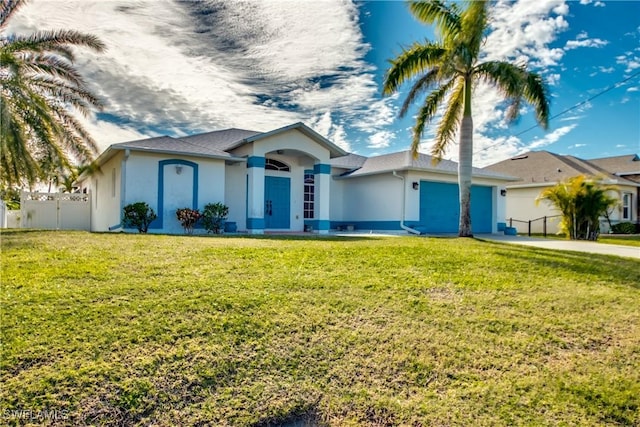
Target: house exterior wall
<point>106,190</point>
<point>375,201</point>
<point>521,206</point>
<point>301,153</point>
<point>135,178</point>
<point>235,193</point>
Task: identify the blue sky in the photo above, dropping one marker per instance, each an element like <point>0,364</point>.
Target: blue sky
<point>183,67</point>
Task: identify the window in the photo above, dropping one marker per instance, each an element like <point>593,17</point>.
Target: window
<point>276,165</point>
<point>309,190</point>
<point>626,206</point>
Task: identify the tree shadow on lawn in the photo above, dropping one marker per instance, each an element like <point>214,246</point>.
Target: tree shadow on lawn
<point>616,268</point>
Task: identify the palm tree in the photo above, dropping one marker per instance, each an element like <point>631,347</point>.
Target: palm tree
<point>581,201</point>
<point>40,90</point>
<point>448,69</point>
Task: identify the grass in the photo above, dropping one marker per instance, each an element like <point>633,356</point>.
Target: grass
<point>632,240</point>
<point>109,329</point>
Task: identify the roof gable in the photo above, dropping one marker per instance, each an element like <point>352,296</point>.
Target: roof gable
<point>334,150</point>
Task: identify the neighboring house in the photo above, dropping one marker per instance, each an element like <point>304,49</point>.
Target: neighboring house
<point>288,179</point>
<point>538,170</point>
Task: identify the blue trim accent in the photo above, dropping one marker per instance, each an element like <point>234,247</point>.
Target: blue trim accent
<point>115,227</point>
<point>255,223</point>
<point>502,226</point>
<point>246,200</point>
<point>309,172</point>
<point>321,168</point>
<point>256,162</point>
<point>322,224</point>
<point>319,224</point>
<point>157,223</point>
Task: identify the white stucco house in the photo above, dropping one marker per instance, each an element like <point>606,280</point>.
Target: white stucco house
<point>538,170</point>
<point>288,179</point>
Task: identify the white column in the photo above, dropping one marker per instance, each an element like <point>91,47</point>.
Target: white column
<point>322,183</point>
<point>255,194</point>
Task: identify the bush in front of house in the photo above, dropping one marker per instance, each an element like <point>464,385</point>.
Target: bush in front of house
<point>188,218</point>
<point>138,215</point>
<point>214,216</point>
<point>624,228</point>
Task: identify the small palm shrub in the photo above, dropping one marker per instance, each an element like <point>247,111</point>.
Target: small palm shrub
<point>188,218</point>
<point>214,216</point>
<point>581,200</point>
<point>138,215</point>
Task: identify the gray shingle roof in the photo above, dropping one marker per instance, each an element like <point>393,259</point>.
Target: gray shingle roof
<point>538,167</point>
<point>221,139</point>
<point>403,160</point>
<point>350,161</point>
<point>167,144</point>
<point>619,165</point>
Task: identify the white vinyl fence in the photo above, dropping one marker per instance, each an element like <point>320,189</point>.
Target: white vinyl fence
<point>55,211</point>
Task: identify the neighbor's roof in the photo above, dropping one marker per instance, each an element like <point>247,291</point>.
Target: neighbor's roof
<point>404,160</point>
<point>619,165</point>
<point>536,168</point>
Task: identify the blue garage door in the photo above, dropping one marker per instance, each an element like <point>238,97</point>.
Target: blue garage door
<point>440,208</point>
<point>277,200</point>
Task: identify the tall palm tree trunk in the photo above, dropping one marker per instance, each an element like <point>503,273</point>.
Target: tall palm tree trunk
<point>465,164</point>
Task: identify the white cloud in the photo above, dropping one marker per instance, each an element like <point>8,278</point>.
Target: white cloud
<point>629,60</point>
<point>525,29</point>
<point>633,89</point>
<point>574,44</point>
<point>597,3</point>
<point>551,137</point>
<point>576,146</point>
<point>186,67</point>
<point>381,139</point>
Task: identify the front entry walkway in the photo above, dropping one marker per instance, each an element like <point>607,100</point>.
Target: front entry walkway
<point>566,245</point>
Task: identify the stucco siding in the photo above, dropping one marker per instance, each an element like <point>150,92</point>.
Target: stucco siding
<point>105,186</point>
<point>291,140</point>
<point>372,198</point>
<point>236,193</point>
<point>520,205</point>
<point>178,189</point>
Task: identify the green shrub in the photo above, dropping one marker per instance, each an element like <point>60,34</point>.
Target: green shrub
<point>214,216</point>
<point>138,215</point>
<point>624,228</point>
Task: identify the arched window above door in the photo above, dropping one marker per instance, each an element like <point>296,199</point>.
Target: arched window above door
<point>276,165</point>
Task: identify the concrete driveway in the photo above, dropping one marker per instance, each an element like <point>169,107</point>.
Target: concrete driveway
<point>566,245</point>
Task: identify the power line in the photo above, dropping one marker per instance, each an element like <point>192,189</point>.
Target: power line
<point>580,104</point>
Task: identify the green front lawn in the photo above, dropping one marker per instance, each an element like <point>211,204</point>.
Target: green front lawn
<point>111,329</point>
<point>632,240</point>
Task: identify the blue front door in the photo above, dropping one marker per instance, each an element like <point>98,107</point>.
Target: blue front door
<point>277,202</point>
